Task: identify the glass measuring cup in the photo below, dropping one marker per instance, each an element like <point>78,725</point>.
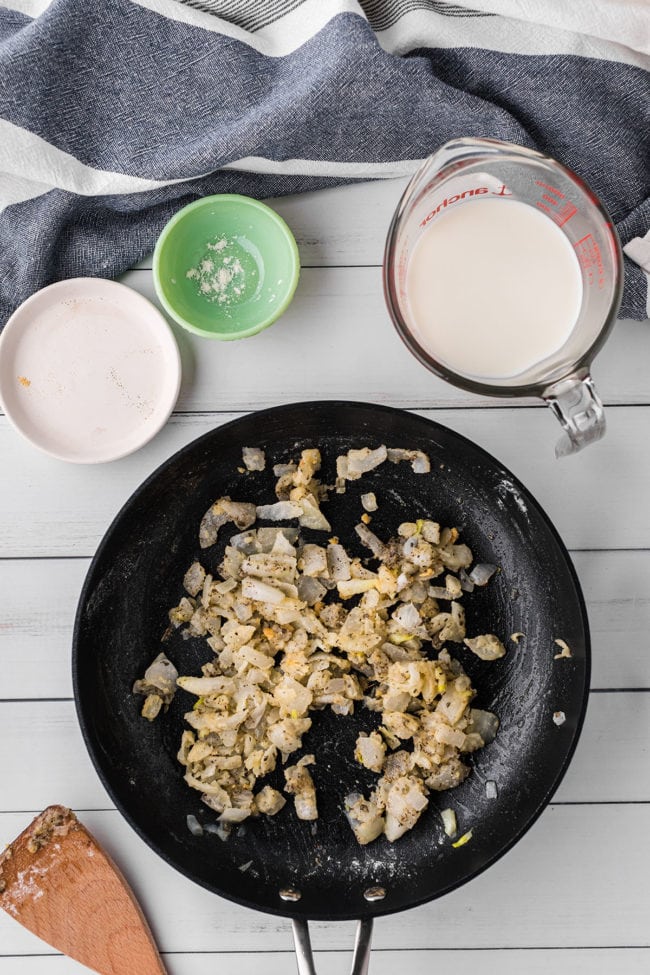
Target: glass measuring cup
<point>465,170</point>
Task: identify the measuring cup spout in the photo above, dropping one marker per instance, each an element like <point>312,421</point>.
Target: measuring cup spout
<point>579,409</point>
<point>450,154</point>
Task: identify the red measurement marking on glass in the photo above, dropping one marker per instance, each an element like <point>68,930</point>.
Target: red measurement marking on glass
<point>450,200</point>
<point>564,214</point>
<point>559,213</point>
<point>590,260</point>
<point>551,189</point>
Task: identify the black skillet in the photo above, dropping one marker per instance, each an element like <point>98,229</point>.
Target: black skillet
<point>297,870</point>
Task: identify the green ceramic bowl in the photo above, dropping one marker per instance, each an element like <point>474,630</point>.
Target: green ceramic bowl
<point>226,267</point>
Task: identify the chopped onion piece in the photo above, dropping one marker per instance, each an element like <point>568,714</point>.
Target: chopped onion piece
<point>408,617</point>
<point>274,539</point>
<point>370,751</point>
<point>234,815</point>
<point>310,590</point>
<point>487,646</point>
<point>162,675</point>
<point>313,517</point>
<point>260,591</point>
<point>158,686</point>
<point>221,512</point>
<point>338,562</point>
<point>194,579</point>
<point>313,560</point>
<point>481,574</point>
<point>466,583</point>
<point>222,830</point>
<point>410,545</point>
<point>364,817</point>
<point>269,801</point>
<point>369,501</point>
<point>565,650</point>
<point>449,823</point>
<point>402,581</point>
<point>341,473</point>
<point>300,784</point>
<point>364,460</point>
<point>254,459</point>
<point>205,685</point>
<point>420,462</point>
<point>280,511</point>
<point>430,531</point>
<point>246,542</point>
<point>279,568</point>
<point>151,707</point>
<point>405,801</point>
<point>559,717</point>
<point>353,587</point>
<point>438,592</point>
<point>491,789</point>
<point>194,825</point>
<point>226,586</point>
<point>370,540</point>
<point>483,723</point>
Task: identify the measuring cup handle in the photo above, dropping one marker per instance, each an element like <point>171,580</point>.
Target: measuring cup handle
<point>579,409</point>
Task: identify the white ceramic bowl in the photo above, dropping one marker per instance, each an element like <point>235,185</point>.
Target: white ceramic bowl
<point>89,370</point>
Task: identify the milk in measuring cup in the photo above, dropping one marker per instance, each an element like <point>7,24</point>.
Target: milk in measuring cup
<point>493,287</point>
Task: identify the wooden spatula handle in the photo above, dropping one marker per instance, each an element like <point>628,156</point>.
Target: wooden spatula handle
<point>57,881</point>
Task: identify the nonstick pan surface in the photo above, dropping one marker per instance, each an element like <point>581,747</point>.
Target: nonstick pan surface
<point>136,577</point>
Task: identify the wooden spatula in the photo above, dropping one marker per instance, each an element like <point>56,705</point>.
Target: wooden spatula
<point>57,881</point>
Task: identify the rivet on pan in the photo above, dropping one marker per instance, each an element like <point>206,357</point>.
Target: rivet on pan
<point>290,894</point>
<point>374,894</point>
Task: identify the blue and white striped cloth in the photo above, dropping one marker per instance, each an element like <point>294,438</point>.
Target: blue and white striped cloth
<point>115,114</point>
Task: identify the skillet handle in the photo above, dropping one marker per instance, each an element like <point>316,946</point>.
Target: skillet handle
<point>360,955</point>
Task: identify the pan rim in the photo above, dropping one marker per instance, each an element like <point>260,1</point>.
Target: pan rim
<point>293,910</point>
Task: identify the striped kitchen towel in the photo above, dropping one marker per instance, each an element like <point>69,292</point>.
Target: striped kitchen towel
<point>115,114</point>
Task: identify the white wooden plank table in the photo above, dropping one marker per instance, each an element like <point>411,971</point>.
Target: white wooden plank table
<point>573,896</point>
